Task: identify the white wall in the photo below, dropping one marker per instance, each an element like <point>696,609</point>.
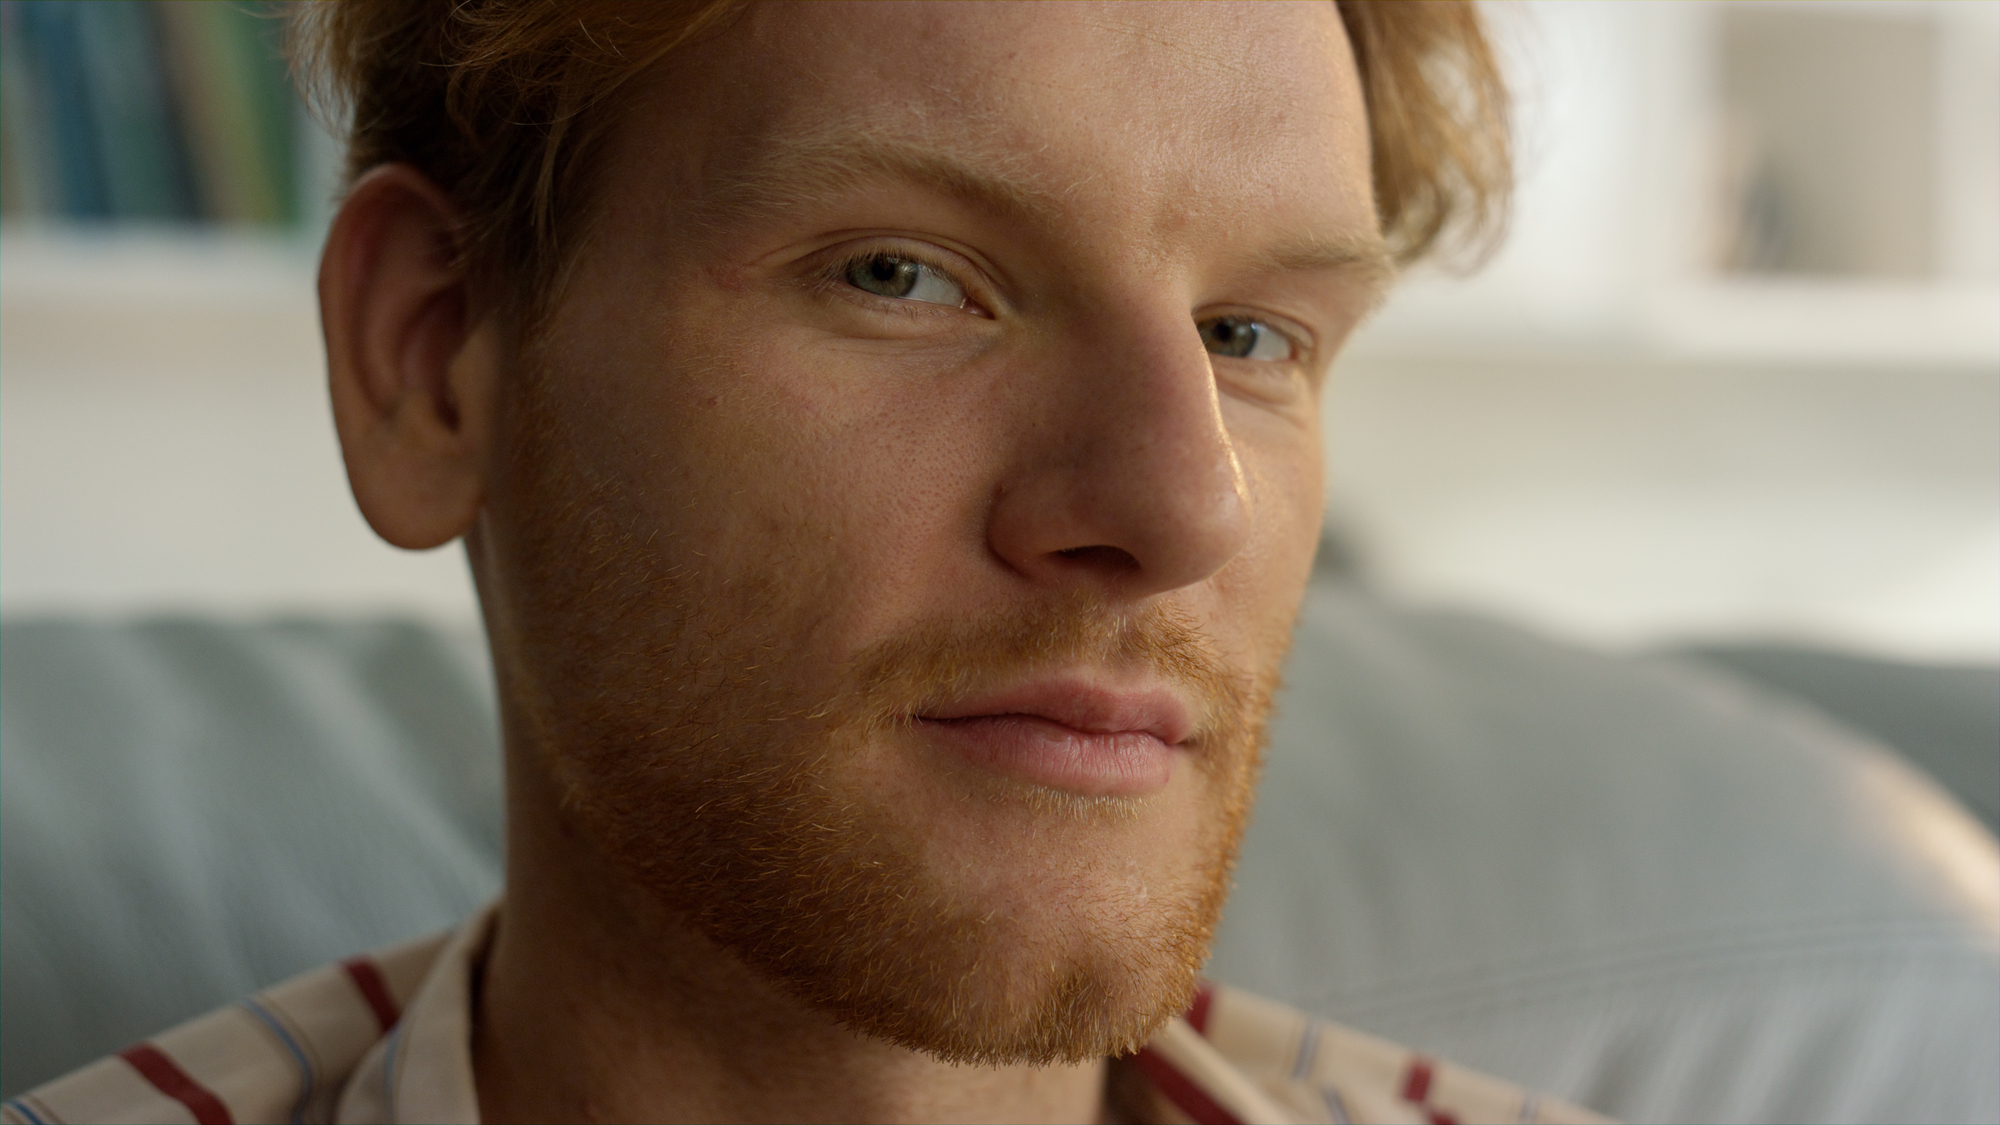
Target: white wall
<point>165,441</point>
<point>1628,503</point>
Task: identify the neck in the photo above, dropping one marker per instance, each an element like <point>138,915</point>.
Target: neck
<point>597,1003</point>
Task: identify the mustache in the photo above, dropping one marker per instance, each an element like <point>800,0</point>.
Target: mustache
<point>944,660</point>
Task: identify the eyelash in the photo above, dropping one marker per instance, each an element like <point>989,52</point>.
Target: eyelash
<point>833,278</point>
<point>1301,341</point>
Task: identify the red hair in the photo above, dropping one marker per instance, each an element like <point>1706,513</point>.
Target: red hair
<point>504,104</point>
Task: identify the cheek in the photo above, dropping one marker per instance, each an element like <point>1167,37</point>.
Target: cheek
<point>1283,461</point>
<point>1283,464</point>
<point>743,447</point>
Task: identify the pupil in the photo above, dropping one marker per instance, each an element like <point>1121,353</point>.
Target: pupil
<point>886,276</point>
<point>1231,337</point>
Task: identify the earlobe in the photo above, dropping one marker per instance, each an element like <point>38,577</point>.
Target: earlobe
<point>412,360</point>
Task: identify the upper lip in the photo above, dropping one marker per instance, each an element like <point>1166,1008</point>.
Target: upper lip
<point>1081,705</point>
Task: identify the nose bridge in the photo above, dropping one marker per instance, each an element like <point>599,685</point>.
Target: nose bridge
<point>1147,414</point>
<point>1134,482</point>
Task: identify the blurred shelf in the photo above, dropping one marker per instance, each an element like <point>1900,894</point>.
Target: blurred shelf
<point>151,264</point>
<point>1831,323</point>
<point>138,307</point>
<point>1790,322</point>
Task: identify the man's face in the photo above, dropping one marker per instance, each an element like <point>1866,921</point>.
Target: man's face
<point>897,530</point>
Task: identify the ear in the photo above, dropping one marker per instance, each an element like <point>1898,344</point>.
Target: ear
<point>411,361</point>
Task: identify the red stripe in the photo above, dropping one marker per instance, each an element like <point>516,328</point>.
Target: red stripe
<point>1182,1091</point>
<point>154,1066</point>
<point>1197,1013</point>
<point>1417,1080</point>
<point>1440,1117</point>
<point>368,980</point>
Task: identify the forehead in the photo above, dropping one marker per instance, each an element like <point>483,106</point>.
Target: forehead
<point>1155,116</point>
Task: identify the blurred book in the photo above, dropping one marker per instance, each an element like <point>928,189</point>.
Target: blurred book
<point>145,111</point>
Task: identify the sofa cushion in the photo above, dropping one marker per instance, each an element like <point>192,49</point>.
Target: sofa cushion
<point>191,810</point>
<point>1644,887</point>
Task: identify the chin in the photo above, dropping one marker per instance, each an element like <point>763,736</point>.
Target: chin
<point>914,895</point>
<point>1040,929</point>
<point>1015,970</point>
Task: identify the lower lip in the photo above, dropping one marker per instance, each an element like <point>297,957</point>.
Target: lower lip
<point>1042,752</point>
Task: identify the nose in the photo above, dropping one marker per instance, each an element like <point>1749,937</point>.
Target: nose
<point>1126,478</point>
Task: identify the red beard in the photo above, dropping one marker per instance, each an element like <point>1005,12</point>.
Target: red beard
<point>667,708</point>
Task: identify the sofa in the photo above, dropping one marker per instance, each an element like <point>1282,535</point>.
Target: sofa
<point>1659,887</point>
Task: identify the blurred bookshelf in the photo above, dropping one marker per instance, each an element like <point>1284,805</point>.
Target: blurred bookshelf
<point>1804,182</point>
<point>156,166</point>
<point>149,113</point>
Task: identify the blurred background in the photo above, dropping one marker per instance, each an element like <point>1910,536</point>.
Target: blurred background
<point>1732,389</point>
<point>1732,379</point>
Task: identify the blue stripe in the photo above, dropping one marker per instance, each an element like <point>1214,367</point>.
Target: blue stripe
<point>389,1071</point>
<point>21,1107</point>
<point>1336,1106</point>
<point>1308,1052</point>
<point>306,1082</point>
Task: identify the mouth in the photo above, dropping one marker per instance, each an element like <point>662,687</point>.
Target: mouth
<point>1068,734</point>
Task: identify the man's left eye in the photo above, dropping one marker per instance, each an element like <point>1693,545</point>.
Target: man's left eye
<point>1240,337</point>
<point>903,279</point>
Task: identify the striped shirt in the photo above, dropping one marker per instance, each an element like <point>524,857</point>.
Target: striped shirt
<point>387,1037</point>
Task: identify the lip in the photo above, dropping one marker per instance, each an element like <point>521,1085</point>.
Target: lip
<point>1069,734</point>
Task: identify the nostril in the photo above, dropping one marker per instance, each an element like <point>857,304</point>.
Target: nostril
<point>1102,557</point>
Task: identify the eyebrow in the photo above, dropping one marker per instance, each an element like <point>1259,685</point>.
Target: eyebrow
<point>1366,258</point>
<point>803,170</point>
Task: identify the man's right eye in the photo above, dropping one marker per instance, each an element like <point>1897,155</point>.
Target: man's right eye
<point>903,279</point>
<point>1242,337</point>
